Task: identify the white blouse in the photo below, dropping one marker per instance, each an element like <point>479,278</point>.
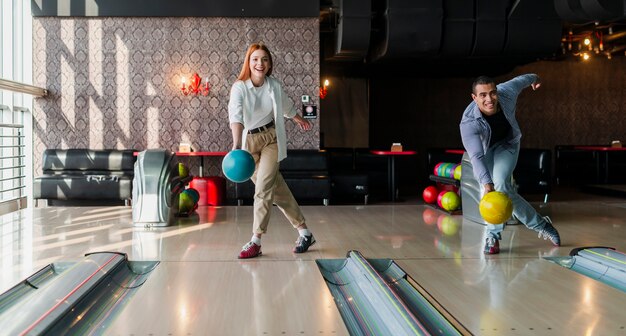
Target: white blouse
<point>241,107</point>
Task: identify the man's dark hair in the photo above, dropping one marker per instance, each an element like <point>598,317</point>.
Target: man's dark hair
<point>482,80</point>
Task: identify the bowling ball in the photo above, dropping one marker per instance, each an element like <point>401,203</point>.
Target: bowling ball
<point>450,201</point>
<point>440,196</point>
<point>195,195</point>
<point>185,202</point>
<point>430,194</point>
<point>436,168</point>
<point>457,173</point>
<point>442,169</point>
<point>495,207</point>
<point>238,165</point>
<point>182,170</point>
<point>450,170</point>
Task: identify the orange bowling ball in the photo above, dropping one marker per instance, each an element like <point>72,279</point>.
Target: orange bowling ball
<point>496,207</point>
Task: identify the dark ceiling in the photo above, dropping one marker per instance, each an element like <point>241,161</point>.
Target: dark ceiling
<point>435,37</point>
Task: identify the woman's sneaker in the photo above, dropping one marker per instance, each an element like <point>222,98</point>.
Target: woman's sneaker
<point>549,232</point>
<point>303,243</point>
<point>250,250</point>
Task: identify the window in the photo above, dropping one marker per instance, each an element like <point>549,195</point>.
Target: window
<point>15,106</point>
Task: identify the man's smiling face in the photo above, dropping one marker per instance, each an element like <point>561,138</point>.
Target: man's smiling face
<point>486,97</point>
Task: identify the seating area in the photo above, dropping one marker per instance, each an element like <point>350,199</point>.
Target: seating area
<point>533,173</point>
<point>593,164</point>
<point>306,174</point>
<point>348,183</point>
<point>328,176</point>
<point>85,177</point>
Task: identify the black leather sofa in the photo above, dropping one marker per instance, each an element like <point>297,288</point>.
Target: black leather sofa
<point>533,173</point>
<point>578,165</point>
<point>305,172</point>
<point>348,183</point>
<point>85,177</point>
<point>574,167</point>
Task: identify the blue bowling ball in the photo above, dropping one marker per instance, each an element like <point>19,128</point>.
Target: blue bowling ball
<point>238,165</point>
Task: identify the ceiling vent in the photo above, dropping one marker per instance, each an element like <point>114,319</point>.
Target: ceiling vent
<point>352,36</point>
<point>409,29</point>
<point>582,11</point>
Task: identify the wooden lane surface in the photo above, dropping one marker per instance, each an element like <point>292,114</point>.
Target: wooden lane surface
<point>521,297</point>
<point>513,290</point>
<point>232,298</point>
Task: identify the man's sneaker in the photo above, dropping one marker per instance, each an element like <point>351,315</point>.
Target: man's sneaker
<point>303,243</point>
<point>250,250</point>
<point>492,245</point>
<point>549,232</point>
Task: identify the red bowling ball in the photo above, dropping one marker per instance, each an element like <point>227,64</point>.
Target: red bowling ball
<point>430,194</point>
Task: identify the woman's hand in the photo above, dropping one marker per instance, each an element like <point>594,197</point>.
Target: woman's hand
<point>302,123</point>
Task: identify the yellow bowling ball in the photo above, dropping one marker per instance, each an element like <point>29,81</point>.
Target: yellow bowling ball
<point>496,207</point>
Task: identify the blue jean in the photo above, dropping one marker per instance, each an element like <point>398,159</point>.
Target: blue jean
<point>501,161</point>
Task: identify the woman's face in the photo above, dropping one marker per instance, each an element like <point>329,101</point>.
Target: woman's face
<point>259,63</point>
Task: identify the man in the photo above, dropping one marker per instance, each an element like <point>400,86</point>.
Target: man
<point>491,137</point>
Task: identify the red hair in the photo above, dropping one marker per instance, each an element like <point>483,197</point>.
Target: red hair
<point>245,69</point>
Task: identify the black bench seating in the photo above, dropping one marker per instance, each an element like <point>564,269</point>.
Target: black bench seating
<point>305,172</point>
<point>533,173</point>
<point>85,177</point>
<point>348,184</point>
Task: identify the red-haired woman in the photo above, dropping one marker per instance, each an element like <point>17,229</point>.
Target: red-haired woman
<point>257,110</point>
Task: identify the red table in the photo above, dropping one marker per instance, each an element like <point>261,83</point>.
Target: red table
<point>202,155</point>
<point>391,169</point>
<point>603,155</point>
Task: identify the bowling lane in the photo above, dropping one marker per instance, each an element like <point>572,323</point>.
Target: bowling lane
<point>522,296</point>
<point>232,298</point>
<point>442,252</point>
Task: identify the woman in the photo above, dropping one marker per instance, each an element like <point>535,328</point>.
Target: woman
<point>257,110</point>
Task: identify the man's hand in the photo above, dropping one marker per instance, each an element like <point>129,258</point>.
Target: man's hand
<point>536,84</point>
<point>489,188</point>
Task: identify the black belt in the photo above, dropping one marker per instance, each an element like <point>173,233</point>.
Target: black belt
<point>262,128</point>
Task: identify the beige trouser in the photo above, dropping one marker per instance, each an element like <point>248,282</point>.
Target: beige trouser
<point>270,187</point>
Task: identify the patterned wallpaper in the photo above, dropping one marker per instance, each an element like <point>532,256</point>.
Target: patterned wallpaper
<point>115,82</point>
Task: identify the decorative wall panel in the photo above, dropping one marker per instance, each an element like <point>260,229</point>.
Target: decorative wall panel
<point>115,82</point>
